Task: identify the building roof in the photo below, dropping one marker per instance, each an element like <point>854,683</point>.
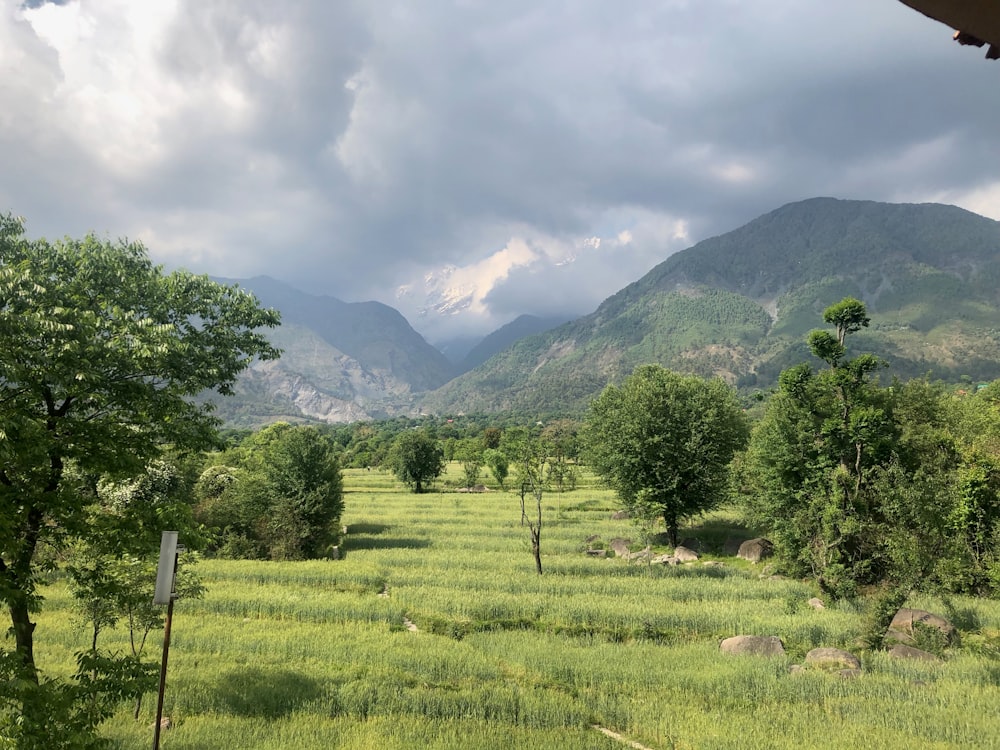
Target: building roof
<point>977,22</point>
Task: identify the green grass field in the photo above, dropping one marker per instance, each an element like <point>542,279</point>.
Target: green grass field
<point>318,655</point>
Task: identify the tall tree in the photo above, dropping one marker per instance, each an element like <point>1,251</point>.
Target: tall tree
<point>664,441</point>
<point>101,356</point>
<point>416,458</point>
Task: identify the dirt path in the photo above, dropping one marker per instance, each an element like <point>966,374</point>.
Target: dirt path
<point>620,738</point>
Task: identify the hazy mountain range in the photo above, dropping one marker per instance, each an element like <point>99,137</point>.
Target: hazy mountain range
<point>735,306</point>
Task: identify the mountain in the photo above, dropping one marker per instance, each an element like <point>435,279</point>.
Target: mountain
<point>506,336</point>
<point>738,306</point>
<point>342,361</point>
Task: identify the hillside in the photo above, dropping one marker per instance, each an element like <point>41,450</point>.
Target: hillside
<point>738,305</point>
<point>342,361</point>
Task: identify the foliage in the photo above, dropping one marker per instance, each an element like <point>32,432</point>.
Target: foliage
<point>859,484</point>
<point>663,442</point>
<point>416,459</point>
<point>279,495</point>
<point>101,354</point>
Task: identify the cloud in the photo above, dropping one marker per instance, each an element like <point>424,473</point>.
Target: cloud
<point>355,148</point>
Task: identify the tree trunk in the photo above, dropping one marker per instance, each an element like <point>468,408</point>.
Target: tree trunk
<point>24,640</point>
<point>670,520</point>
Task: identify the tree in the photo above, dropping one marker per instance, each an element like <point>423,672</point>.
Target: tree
<point>664,441</point>
<point>416,459</point>
<point>279,495</point>
<point>101,357</point>
<point>498,464</point>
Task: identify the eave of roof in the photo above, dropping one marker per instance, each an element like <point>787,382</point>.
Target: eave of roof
<point>977,21</point>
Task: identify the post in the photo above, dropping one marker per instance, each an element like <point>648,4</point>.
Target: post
<point>165,593</point>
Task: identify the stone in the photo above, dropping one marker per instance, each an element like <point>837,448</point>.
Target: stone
<point>755,550</point>
<point>664,560</point>
<point>620,546</point>
<point>906,622</point>
<point>816,603</point>
<point>902,651</point>
<point>597,553</point>
<point>685,555</point>
<point>832,659</point>
<point>756,645</point>
<point>713,564</point>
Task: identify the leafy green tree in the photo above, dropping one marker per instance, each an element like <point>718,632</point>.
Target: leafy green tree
<point>498,464</point>
<point>283,499</point>
<point>416,459</point>
<point>101,357</point>
<point>664,441</point>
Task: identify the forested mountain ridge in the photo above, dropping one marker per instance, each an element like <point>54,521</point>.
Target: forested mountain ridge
<point>737,306</point>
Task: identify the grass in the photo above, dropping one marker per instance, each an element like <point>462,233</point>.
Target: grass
<point>316,655</point>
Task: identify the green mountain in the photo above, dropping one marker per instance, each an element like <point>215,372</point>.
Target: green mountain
<point>738,306</point>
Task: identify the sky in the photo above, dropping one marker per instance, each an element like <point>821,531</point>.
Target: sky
<point>472,160</point>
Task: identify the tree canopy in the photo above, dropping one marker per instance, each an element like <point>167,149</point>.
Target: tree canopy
<point>102,356</point>
<point>663,442</point>
<point>416,458</point>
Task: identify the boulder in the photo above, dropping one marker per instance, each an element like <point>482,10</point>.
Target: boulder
<point>816,603</point>
<point>756,645</point>
<point>664,560</point>
<point>713,564</point>
<point>691,543</point>
<point>832,659</point>
<point>684,554</point>
<point>620,546</point>
<point>755,550</point>
<point>907,622</point>
<point>902,651</point>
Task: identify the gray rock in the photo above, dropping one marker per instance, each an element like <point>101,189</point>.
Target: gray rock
<point>832,659</point>
<point>902,651</point>
<point>685,555</point>
<point>816,603</point>
<point>597,552</point>
<point>664,560</point>
<point>757,645</point>
<point>620,546</point>
<point>713,564</point>
<point>755,550</point>
<point>906,622</point>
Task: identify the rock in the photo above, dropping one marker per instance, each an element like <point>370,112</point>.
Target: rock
<point>902,651</point>
<point>816,603</point>
<point>620,546</point>
<point>713,564</point>
<point>757,645</point>
<point>621,515</point>
<point>755,550</point>
<point>664,560</point>
<point>685,555</point>
<point>832,659</point>
<point>643,554</point>
<point>597,553</point>
<point>691,543</point>
<point>906,622</point>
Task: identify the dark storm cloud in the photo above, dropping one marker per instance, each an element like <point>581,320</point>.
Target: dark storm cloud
<point>352,147</point>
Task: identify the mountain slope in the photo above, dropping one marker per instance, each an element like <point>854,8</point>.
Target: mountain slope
<point>738,305</point>
<point>341,361</point>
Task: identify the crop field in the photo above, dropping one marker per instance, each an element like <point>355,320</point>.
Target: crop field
<point>434,631</point>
